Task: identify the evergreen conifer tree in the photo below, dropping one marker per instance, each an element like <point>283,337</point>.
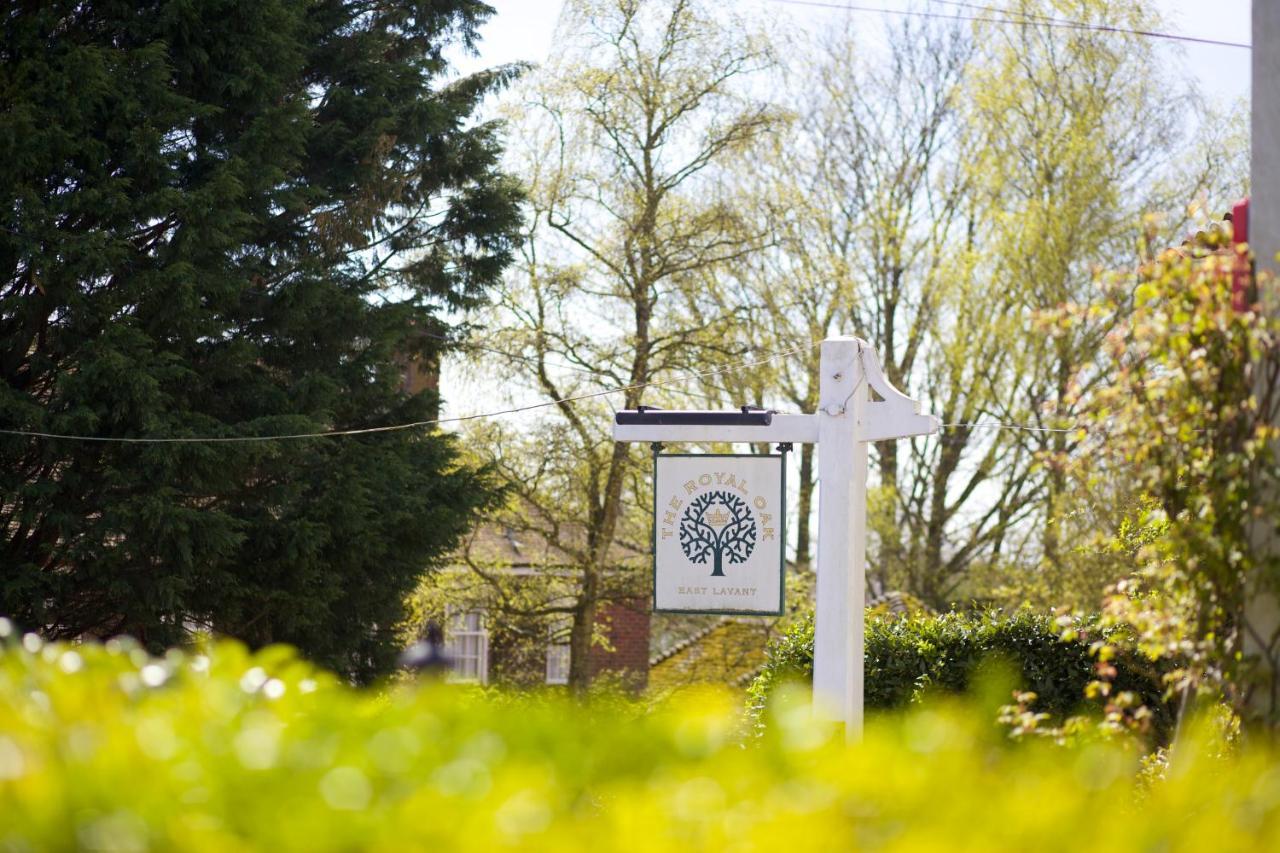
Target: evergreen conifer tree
<point>235,218</point>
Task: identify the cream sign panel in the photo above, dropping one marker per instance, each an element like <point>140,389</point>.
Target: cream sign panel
<point>718,533</point>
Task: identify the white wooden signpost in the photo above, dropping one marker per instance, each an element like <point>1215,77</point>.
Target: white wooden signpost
<point>857,405</point>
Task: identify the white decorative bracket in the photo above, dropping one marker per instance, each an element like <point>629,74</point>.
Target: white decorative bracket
<point>894,415</point>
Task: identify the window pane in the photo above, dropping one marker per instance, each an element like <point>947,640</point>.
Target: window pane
<point>558,664</point>
<point>467,646</point>
<point>558,651</point>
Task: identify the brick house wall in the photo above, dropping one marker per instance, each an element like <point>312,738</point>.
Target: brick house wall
<point>626,624</point>
<point>519,648</point>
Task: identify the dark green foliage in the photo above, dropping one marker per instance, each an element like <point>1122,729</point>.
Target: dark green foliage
<point>909,656</point>
<point>235,218</point>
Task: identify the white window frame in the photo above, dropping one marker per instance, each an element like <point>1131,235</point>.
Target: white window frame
<point>465,630</point>
<point>558,653</point>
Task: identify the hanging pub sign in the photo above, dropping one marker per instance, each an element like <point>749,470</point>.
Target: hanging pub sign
<point>710,554</point>
<point>719,533</point>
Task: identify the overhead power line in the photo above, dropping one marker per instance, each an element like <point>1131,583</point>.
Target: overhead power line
<point>1039,21</point>
<point>770,356</point>
<point>394,427</point>
<point>994,425</point>
<point>988,9</point>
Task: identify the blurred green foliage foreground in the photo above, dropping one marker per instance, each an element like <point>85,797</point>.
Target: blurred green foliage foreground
<point>106,748</point>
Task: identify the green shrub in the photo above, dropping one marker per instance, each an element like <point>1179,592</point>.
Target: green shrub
<point>106,748</point>
<point>909,656</point>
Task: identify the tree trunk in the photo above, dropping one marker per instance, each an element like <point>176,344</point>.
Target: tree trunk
<point>1051,541</point>
<point>890,553</point>
<point>1057,482</point>
<point>584,618</point>
<point>601,538</point>
<point>931,583</point>
<point>803,544</point>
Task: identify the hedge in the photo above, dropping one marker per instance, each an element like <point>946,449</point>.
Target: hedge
<point>107,748</point>
<point>908,656</point>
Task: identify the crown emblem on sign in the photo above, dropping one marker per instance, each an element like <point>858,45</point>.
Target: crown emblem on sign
<point>717,517</point>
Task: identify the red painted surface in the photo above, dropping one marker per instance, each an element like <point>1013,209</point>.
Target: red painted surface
<point>1242,269</point>
<point>626,624</point>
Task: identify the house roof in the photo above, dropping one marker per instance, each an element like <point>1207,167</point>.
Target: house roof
<point>729,652</point>
<point>494,543</point>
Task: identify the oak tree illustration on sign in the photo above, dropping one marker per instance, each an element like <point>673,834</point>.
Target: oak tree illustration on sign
<point>717,524</point>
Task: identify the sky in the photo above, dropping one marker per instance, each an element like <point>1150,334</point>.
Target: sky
<point>522,30</point>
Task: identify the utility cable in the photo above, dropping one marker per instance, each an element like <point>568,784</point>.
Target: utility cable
<point>993,425</point>
<point>394,427</point>
<point>988,9</point>
<point>767,357</point>
<point>1054,23</point>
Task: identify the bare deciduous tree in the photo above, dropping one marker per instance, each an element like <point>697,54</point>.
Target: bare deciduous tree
<point>621,137</point>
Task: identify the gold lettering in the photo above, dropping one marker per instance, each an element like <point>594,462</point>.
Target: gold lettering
<point>705,479</point>
<point>719,478</point>
<point>742,487</point>
<point>731,481</point>
<point>768,533</point>
<point>666,534</point>
<point>690,487</point>
<point>676,503</point>
<point>759,502</point>
<point>765,518</point>
<point>669,518</point>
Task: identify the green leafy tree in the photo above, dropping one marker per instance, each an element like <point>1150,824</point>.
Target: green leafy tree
<point>1188,419</point>
<point>1075,138</point>
<point>860,199</point>
<point>235,220</point>
<point>933,194</point>
<point>623,139</point>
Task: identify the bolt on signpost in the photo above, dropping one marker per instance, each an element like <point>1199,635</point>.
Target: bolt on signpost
<point>857,405</point>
